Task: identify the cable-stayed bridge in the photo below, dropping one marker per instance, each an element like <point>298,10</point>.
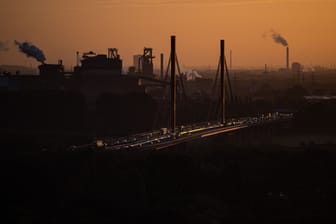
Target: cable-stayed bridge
<point>170,136</point>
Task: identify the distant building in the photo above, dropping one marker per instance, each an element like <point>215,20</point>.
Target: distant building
<point>297,67</point>
<point>137,61</point>
<point>143,64</point>
<point>283,70</point>
<point>100,64</point>
<point>52,70</point>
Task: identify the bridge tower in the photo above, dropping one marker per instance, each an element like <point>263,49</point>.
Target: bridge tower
<point>173,84</point>
<point>222,84</point>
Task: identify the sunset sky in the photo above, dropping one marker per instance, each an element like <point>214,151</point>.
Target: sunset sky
<point>62,27</point>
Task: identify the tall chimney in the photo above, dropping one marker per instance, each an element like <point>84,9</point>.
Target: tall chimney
<point>230,60</point>
<point>287,58</point>
<point>77,58</point>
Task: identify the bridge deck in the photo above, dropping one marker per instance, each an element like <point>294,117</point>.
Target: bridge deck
<point>165,138</point>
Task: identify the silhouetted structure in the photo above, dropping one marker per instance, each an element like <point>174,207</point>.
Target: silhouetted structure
<point>52,70</point>
<point>93,64</point>
<point>297,67</point>
<point>173,84</point>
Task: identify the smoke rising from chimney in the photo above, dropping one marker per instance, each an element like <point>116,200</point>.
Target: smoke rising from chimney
<point>4,46</point>
<point>31,51</point>
<point>279,39</point>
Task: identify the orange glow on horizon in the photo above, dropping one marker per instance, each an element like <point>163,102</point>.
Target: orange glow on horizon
<point>60,28</point>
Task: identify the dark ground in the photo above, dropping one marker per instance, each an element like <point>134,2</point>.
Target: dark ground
<point>216,181</point>
<point>204,182</point>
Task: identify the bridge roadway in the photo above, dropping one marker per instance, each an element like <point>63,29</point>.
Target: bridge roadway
<point>165,138</point>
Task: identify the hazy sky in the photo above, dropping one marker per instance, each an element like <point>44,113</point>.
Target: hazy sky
<point>62,27</point>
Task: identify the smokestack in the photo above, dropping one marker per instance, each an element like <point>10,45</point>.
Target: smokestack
<point>77,59</point>
<point>161,66</point>
<point>287,58</point>
<point>230,60</point>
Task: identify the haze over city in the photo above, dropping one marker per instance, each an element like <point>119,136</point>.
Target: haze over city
<point>60,28</point>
